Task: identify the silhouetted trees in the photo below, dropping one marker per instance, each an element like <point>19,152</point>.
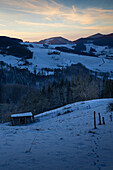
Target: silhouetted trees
<point>58,94</point>
<point>19,97</point>
<point>107,88</point>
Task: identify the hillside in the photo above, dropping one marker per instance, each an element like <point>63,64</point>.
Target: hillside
<point>47,60</point>
<point>13,46</point>
<point>38,57</point>
<point>38,78</point>
<point>64,138</point>
<point>69,70</point>
<point>97,39</point>
<point>98,35</point>
<point>7,41</point>
<point>55,41</point>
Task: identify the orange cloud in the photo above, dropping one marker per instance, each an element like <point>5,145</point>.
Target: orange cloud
<point>31,36</point>
<point>55,25</point>
<point>51,10</point>
<point>50,18</point>
<point>104,29</point>
<point>2,25</point>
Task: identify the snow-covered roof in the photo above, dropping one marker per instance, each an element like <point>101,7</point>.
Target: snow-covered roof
<point>22,114</point>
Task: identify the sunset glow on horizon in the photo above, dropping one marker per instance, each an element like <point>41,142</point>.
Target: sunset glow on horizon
<point>33,20</point>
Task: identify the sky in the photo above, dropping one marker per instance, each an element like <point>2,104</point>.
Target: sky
<point>33,20</point>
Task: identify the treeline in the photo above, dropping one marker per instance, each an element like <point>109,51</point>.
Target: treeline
<point>103,40</point>
<point>13,46</point>
<point>17,98</point>
<point>79,49</point>
<point>80,88</point>
<point>60,93</point>
<point>14,75</point>
<point>107,90</point>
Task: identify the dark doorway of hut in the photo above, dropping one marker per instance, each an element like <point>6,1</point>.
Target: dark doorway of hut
<point>22,121</point>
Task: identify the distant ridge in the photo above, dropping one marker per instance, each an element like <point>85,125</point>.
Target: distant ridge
<point>13,46</point>
<point>7,41</point>
<point>98,35</point>
<point>55,41</point>
<point>97,39</point>
<point>109,35</point>
<point>5,38</point>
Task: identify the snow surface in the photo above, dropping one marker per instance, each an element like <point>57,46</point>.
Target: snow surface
<point>49,40</point>
<point>100,51</point>
<point>22,114</point>
<point>41,59</point>
<point>64,142</point>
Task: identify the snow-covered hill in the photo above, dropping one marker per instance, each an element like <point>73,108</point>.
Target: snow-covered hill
<point>97,39</point>
<point>41,59</point>
<point>55,40</point>
<point>47,57</point>
<point>63,139</point>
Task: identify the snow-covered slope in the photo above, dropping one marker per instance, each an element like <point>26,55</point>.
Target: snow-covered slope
<point>101,51</point>
<point>63,139</point>
<point>41,59</point>
<point>55,40</point>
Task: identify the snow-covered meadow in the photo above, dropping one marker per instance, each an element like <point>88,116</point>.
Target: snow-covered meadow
<point>41,59</point>
<point>63,139</point>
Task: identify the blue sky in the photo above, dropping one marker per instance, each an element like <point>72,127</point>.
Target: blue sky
<point>104,4</point>
<point>33,20</point>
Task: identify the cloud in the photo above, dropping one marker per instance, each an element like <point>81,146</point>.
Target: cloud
<point>2,25</point>
<point>24,17</point>
<point>104,29</point>
<point>43,7</point>
<point>55,25</point>
<point>51,11</point>
<point>70,34</point>
<point>31,36</point>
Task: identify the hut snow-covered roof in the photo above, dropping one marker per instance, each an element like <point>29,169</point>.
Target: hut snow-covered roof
<point>22,115</point>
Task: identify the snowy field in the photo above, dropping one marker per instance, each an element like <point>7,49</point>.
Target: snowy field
<point>41,59</point>
<point>63,139</point>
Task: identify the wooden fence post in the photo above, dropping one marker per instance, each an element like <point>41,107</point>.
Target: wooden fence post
<point>103,120</point>
<point>99,119</point>
<point>94,120</point>
<point>111,117</point>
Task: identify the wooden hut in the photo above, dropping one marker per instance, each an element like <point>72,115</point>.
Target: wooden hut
<point>22,118</point>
